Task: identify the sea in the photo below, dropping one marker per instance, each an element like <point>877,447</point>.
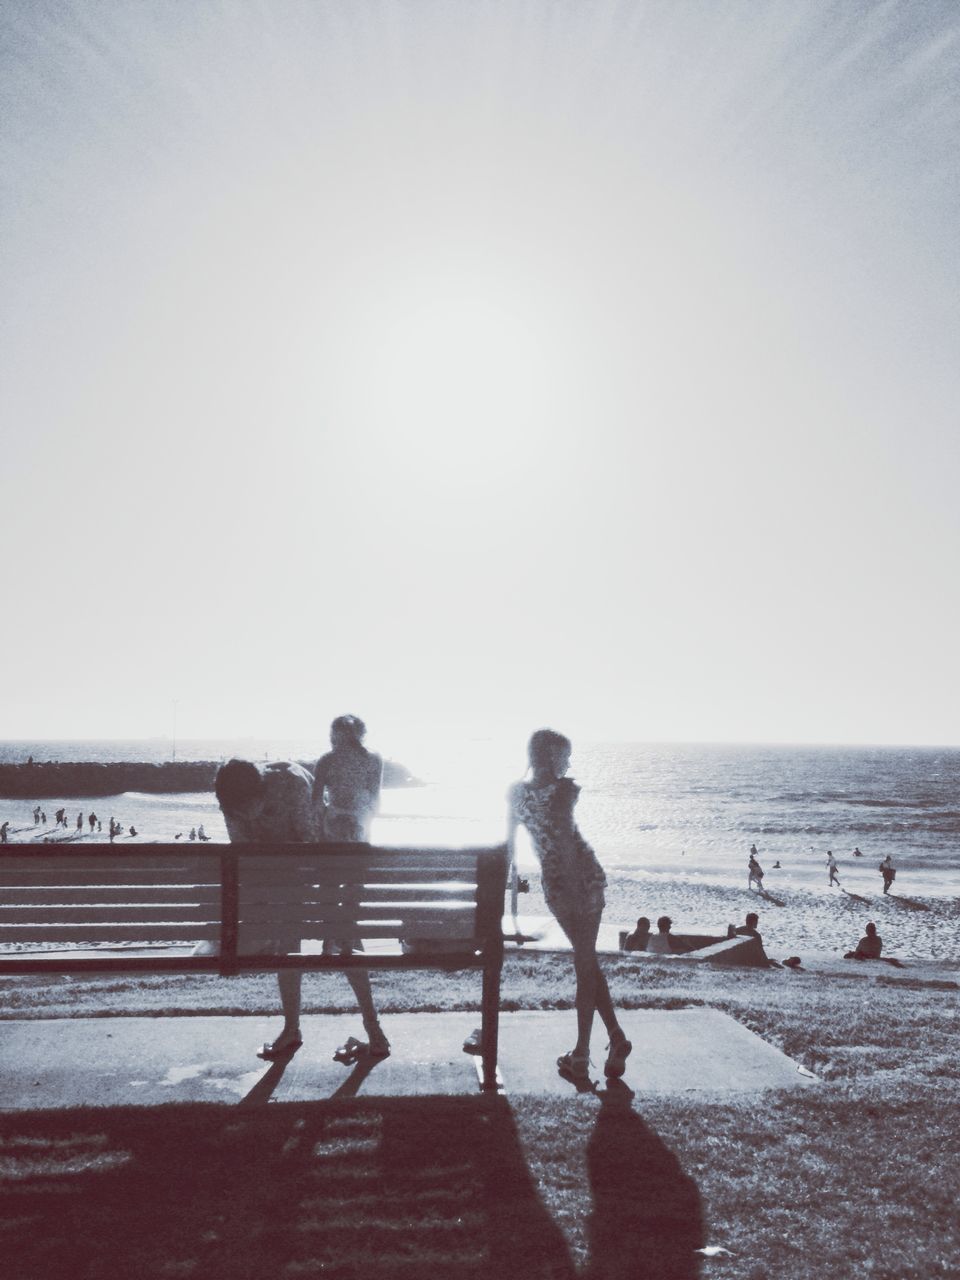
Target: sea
<point>685,810</point>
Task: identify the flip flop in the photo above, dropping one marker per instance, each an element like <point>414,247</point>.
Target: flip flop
<point>270,1052</point>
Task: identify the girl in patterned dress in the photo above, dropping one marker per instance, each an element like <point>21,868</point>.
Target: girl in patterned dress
<point>573,884</point>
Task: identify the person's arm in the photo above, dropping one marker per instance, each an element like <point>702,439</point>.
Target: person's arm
<point>512,824</point>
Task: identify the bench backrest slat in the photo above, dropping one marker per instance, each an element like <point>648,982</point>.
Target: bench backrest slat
<point>161,893</point>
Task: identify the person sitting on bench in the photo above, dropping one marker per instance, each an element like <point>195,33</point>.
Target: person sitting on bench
<point>661,944</point>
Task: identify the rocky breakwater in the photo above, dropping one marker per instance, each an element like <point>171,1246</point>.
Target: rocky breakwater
<point>51,779</point>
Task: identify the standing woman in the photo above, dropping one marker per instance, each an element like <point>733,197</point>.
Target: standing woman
<point>573,884</point>
<point>346,797</point>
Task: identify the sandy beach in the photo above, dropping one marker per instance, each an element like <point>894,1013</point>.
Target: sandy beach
<point>797,916</point>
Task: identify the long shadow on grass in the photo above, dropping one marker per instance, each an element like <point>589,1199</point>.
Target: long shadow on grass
<point>384,1189</point>
<point>647,1218</point>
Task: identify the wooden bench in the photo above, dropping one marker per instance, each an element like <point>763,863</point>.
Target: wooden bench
<point>441,908</point>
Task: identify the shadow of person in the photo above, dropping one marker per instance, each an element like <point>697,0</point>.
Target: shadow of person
<point>647,1218</point>
<point>767,896</point>
<point>364,1189</point>
<point>909,904</point>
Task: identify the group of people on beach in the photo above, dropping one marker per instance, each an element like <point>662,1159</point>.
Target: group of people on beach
<point>755,871</point>
<point>282,802</point>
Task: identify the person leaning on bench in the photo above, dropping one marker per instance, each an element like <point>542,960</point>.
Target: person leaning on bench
<point>272,803</point>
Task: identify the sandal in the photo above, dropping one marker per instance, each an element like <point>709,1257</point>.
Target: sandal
<point>575,1067</point>
<point>618,1051</point>
<point>280,1048</point>
<point>378,1046</point>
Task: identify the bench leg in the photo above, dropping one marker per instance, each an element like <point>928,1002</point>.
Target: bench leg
<point>490,1025</point>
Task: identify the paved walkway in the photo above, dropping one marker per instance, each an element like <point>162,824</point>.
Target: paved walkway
<point>50,1063</point>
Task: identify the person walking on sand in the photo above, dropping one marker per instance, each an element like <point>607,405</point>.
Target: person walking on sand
<point>832,868</point>
<point>93,822</point>
<point>573,885</point>
<point>79,824</point>
<point>4,836</point>
<point>889,873</point>
<point>754,871</point>
<point>272,803</point>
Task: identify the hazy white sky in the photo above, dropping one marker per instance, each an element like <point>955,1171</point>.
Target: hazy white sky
<point>473,366</point>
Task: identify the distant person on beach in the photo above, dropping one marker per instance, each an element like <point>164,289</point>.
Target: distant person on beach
<point>43,818</point>
<point>59,817</point>
<point>346,784</point>
<point>36,816</point>
<point>661,944</point>
<point>80,823</point>
<point>869,946</point>
<point>133,830</point>
<point>201,834</point>
<point>832,868</point>
<point>4,837</point>
<point>99,825</point>
<point>889,873</point>
<point>776,865</point>
<point>193,833</point>
<point>272,802</point>
<point>857,853</point>
<point>93,821</point>
<point>754,871</point>
<point>573,885</point>
<point>748,929</point>
<point>637,941</point>
<point>114,827</point>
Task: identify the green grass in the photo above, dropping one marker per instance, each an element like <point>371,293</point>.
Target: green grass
<point>858,1176</point>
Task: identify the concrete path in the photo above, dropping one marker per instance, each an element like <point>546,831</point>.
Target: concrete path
<point>71,1062</point>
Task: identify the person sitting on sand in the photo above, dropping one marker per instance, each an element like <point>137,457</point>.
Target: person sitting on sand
<point>661,944</point>
<point>754,871</point>
<point>637,941</point>
<point>748,929</point>
<point>869,947</point>
<point>573,884</point>
<point>272,803</point>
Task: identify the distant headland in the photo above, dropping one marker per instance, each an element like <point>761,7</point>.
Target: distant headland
<point>48,779</point>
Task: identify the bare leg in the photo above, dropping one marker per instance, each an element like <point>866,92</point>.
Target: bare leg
<point>288,980</point>
<point>359,979</point>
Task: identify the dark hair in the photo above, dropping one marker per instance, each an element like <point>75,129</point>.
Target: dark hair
<point>752,915</point>
<point>663,924</point>
<point>348,727</point>
<point>644,923</point>
<point>543,743</point>
<point>237,782</point>
<point>871,928</point>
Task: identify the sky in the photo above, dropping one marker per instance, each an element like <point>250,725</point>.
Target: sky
<point>475,366</point>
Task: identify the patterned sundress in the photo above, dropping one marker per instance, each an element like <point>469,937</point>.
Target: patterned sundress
<point>573,880</point>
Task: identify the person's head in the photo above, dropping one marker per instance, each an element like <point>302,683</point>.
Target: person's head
<point>239,788</point>
<point>549,752</point>
<point>752,919</point>
<point>663,924</point>
<point>347,731</point>
<point>871,930</point>
<point>643,925</point>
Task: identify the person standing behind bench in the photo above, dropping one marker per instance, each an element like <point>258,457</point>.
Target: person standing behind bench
<point>573,884</point>
<point>272,804</point>
<point>346,799</point>
<point>346,784</point>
